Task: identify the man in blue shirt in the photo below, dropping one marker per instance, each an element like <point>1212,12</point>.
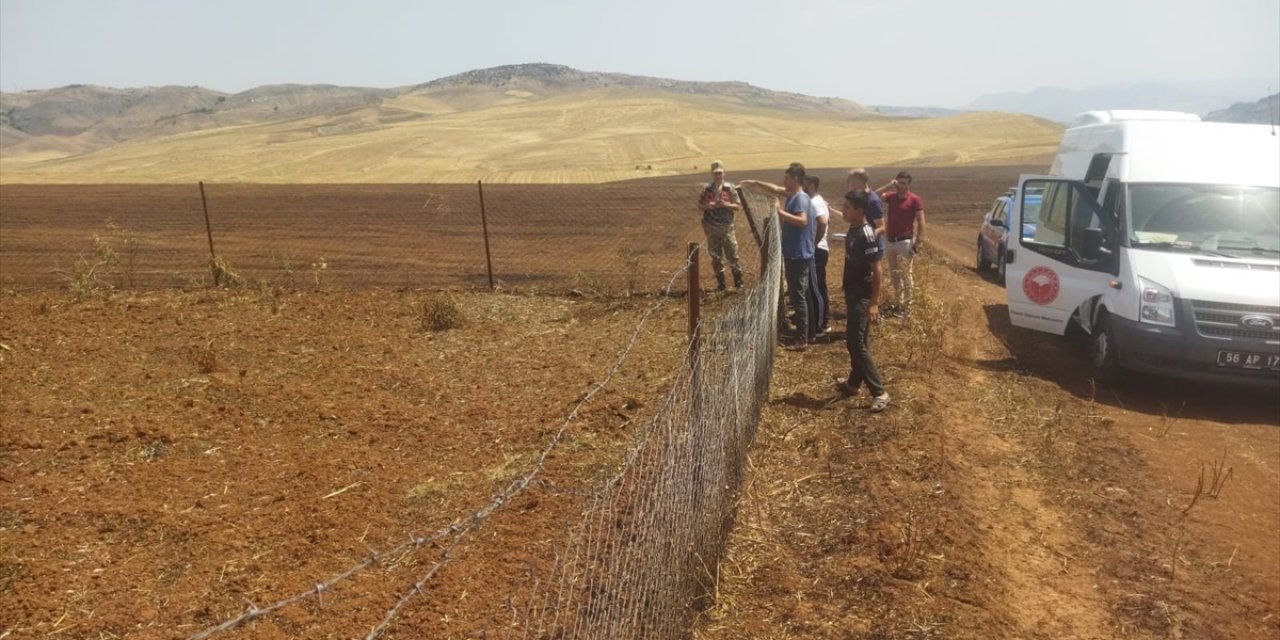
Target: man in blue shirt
<point>799,223</point>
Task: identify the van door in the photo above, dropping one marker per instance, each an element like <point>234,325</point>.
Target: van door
<point>1063,250</point>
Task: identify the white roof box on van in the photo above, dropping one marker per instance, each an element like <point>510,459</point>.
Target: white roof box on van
<point>1121,115</point>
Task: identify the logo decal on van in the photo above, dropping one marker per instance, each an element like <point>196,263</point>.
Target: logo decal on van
<point>1256,322</point>
<point>1041,285</point>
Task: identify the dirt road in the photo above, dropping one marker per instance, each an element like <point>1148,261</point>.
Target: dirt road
<point>1003,495</point>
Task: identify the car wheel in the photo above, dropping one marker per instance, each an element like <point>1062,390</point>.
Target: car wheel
<point>1000,269</point>
<point>983,262</point>
<point>1106,359</point>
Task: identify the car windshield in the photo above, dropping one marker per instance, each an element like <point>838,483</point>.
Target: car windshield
<point>1215,219</point>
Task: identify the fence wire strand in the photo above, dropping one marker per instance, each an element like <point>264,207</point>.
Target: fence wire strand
<point>540,238</point>
<point>644,558</point>
<point>641,557</point>
<point>459,528</point>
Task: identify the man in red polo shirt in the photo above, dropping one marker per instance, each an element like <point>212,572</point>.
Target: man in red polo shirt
<point>904,233</point>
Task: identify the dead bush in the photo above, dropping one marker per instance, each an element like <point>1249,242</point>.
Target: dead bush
<point>440,313</point>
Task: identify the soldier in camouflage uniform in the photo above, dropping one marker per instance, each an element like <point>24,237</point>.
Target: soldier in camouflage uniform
<point>718,202</point>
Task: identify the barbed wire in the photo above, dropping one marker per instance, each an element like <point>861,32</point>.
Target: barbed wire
<point>460,527</point>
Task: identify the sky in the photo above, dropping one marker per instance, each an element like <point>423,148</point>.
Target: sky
<point>905,53</point>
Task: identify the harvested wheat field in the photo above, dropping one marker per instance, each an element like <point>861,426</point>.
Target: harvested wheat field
<point>174,456</point>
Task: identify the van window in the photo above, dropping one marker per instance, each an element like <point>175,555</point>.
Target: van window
<point>1069,225</point>
<point>1241,221</point>
<point>1054,214</point>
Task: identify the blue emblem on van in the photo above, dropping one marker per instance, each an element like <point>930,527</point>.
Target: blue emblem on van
<point>1257,322</point>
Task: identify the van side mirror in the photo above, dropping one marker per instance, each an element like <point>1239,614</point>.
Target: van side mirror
<point>1093,244</point>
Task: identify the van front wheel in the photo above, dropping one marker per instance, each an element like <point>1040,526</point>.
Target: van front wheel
<point>1106,360</point>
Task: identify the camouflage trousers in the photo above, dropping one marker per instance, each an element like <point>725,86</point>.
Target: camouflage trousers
<point>722,246</point>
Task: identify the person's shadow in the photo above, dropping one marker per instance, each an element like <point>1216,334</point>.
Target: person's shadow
<point>1064,360</point>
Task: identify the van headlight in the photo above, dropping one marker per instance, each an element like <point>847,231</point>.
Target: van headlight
<point>1157,303</point>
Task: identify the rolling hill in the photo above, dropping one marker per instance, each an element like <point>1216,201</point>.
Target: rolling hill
<point>518,123</point>
<point>1264,111</point>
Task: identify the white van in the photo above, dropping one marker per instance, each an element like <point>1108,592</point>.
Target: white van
<point>1159,235</point>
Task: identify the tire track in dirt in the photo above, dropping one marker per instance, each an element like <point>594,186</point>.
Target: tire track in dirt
<point>1166,559</point>
<point>1020,536</point>
<point>920,522</point>
<point>998,498</point>
<point>1025,537</point>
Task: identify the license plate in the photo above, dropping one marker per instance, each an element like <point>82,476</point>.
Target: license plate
<point>1256,361</point>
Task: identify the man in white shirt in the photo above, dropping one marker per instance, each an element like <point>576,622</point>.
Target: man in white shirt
<point>821,251</point>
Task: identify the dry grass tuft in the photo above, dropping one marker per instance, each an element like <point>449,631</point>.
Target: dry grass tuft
<point>440,313</point>
<point>205,359</point>
<point>434,491</point>
<point>223,274</point>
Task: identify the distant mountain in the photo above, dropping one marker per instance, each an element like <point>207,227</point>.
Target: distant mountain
<point>552,77</point>
<point>1264,111</point>
<point>1061,105</point>
<point>82,118</point>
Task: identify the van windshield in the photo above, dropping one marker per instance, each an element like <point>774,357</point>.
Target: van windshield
<point>1205,218</point>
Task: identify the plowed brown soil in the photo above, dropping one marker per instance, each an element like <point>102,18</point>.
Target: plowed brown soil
<point>169,457</point>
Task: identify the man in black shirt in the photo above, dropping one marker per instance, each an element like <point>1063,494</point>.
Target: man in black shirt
<point>862,278</point>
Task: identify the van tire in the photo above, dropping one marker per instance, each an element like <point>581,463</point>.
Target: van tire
<point>982,262</point>
<point>1103,353</point>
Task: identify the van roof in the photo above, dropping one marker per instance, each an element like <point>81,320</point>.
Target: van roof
<point>1178,150</point>
<point>1122,115</point>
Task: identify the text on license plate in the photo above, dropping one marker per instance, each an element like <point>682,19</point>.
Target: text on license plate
<point>1238,360</point>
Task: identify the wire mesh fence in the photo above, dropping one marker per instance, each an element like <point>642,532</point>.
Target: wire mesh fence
<point>644,559</point>
<point>601,239</point>
<point>641,557</point>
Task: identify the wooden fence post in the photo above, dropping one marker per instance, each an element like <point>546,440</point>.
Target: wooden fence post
<point>746,210</point>
<point>484,222</point>
<point>208,229</point>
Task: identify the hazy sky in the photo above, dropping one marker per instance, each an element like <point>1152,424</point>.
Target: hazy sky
<point>905,52</point>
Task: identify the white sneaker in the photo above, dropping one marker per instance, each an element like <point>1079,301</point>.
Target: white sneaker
<point>879,403</point>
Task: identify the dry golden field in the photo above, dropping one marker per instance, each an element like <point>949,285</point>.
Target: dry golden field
<point>590,136</point>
